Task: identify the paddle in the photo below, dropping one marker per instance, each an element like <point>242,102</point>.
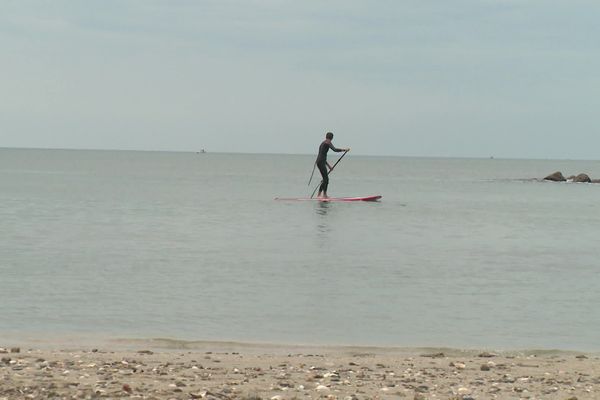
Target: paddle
<point>311,175</point>
<point>336,163</point>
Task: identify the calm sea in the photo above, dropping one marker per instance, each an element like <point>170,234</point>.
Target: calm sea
<point>465,253</point>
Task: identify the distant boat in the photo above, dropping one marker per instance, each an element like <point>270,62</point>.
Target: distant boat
<point>201,151</point>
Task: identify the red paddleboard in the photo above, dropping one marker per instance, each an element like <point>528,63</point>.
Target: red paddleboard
<point>366,198</point>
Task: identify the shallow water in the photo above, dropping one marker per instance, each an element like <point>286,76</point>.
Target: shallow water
<point>459,252</point>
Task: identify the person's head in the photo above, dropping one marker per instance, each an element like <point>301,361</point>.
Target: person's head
<point>329,135</point>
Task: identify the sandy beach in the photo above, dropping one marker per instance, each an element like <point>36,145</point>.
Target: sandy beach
<point>212,370</point>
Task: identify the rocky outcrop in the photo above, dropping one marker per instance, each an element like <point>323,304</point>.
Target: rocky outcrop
<point>582,178</point>
<point>556,177</point>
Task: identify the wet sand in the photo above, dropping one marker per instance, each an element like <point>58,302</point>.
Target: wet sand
<point>213,370</point>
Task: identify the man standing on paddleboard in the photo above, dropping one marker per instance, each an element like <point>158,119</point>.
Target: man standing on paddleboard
<point>322,163</point>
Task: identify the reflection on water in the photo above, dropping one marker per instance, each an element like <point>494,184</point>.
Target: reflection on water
<point>322,208</point>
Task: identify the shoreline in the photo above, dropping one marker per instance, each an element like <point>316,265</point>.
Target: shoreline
<point>165,344</point>
<point>171,369</point>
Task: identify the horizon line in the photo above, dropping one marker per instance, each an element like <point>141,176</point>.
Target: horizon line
<point>203,151</point>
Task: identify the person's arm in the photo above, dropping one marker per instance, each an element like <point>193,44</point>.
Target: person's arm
<point>332,147</point>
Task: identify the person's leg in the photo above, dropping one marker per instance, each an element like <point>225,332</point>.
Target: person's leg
<point>323,189</point>
<point>325,181</point>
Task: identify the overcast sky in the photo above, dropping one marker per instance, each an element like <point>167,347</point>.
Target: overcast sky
<point>460,78</point>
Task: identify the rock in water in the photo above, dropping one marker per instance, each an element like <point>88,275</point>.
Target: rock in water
<point>555,177</point>
<point>582,178</point>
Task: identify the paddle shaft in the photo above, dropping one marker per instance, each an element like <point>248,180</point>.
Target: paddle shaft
<point>336,163</point>
<point>311,175</point>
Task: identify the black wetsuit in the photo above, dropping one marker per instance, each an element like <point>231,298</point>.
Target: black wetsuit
<point>322,163</point>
